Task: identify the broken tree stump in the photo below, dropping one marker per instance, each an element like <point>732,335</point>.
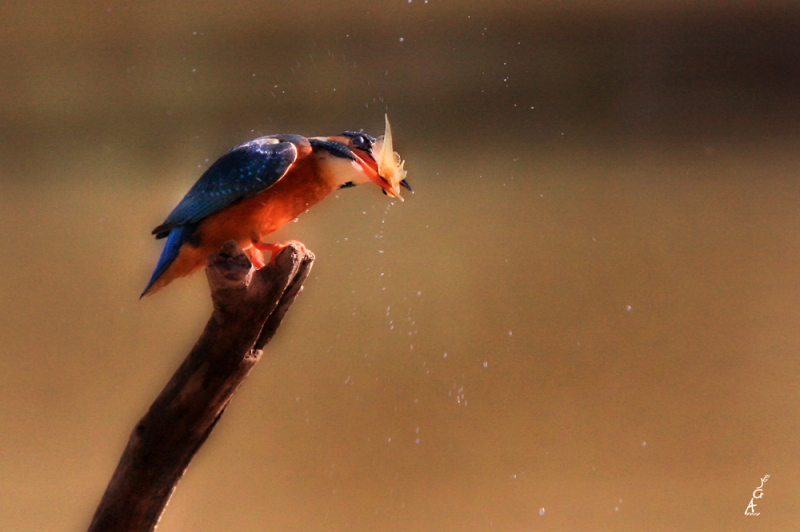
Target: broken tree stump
<point>249,305</point>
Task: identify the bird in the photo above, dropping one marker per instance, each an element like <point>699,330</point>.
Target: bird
<point>261,185</point>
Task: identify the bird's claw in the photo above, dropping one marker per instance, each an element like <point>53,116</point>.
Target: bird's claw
<point>256,258</point>
<point>275,250</point>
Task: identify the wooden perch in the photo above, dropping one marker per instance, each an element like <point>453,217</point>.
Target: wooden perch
<point>248,308</point>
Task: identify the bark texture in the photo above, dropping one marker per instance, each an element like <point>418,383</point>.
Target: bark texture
<point>249,306</point>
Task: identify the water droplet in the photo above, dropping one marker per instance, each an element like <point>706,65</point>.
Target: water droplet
<point>541,511</point>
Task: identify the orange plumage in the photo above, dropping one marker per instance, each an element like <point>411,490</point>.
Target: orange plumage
<point>256,189</point>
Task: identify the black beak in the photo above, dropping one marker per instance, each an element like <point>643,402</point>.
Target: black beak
<point>405,184</point>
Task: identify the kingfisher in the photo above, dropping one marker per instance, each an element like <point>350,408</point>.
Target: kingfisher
<point>260,186</point>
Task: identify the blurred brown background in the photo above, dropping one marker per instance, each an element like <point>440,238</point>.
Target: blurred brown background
<point>586,318</point>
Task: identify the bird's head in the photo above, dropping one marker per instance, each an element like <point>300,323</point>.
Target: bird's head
<point>375,159</point>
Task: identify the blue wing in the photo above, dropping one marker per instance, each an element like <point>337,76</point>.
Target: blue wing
<point>239,174</point>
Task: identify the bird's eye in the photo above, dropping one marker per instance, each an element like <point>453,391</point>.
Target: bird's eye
<point>362,142</point>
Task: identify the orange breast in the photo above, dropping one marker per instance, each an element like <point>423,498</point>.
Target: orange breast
<point>258,217</point>
<point>253,219</point>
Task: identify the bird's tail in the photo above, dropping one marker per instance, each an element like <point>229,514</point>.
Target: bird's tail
<point>177,237</point>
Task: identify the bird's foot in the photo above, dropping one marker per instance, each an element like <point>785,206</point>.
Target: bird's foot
<point>275,249</point>
<point>256,258</point>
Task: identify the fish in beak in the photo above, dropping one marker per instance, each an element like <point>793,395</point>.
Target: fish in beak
<point>391,174</point>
